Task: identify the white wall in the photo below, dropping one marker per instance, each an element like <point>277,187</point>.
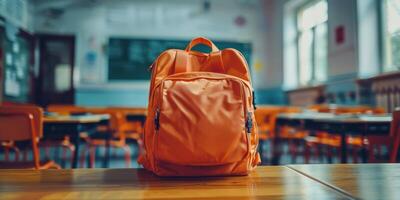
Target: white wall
<point>93,24</point>
<point>273,75</point>
<point>342,58</point>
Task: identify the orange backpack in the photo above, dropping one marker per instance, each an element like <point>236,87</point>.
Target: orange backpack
<point>201,114</point>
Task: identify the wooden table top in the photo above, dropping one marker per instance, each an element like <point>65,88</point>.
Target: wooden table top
<point>278,182</point>
<point>92,118</point>
<point>305,115</point>
<point>361,181</point>
<point>338,118</point>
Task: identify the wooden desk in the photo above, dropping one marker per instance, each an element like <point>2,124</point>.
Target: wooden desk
<point>360,181</point>
<point>68,119</point>
<point>137,117</point>
<point>59,126</point>
<point>277,182</point>
<point>343,125</point>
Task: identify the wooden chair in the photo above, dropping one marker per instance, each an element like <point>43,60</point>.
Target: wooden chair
<point>292,136</point>
<point>395,134</point>
<point>133,129</point>
<point>331,143</point>
<point>116,130</point>
<point>391,142</point>
<point>266,118</point>
<point>266,121</point>
<point>64,143</point>
<point>22,123</point>
<point>65,109</point>
<point>134,126</point>
<point>8,146</point>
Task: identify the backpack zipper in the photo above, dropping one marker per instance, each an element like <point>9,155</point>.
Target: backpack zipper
<point>157,120</point>
<point>249,122</point>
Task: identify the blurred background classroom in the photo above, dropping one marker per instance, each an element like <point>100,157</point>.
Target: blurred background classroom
<point>325,74</point>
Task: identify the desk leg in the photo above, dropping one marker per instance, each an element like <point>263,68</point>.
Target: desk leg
<point>260,150</point>
<point>77,140</point>
<point>106,160</point>
<point>364,151</point>
<point>276,147</point>
<point>343,153</point>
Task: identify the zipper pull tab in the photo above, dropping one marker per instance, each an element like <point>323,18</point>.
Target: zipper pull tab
<point>157,119</point>
<point>249,122</point>
<point>254,100</point>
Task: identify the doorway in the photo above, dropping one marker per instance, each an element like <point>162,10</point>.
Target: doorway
<point>56,69</point>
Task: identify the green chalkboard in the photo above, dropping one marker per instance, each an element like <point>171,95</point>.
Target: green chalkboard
<point>129,58</point>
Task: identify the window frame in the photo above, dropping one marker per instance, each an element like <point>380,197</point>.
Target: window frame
<point>313,80</point>
<point>382,33</point>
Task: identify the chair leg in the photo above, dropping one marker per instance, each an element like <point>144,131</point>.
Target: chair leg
<point>16,155</point>
<point>307,152</point>
<point>379,148</point>
<point>71,149</point>
<point>83,153</point>
<point>292,149</point>
<point>371,154</point>
<point>47,152</point>
<point>127,151</point>
<point>63,157</point>
<point>113,153</point>
<point>317,149</point>
<point>92,156</point>
<point>260,148</point>
<point>355,155</point>
<point>329,154</point>
<point>6,154</point>
<point>140,146</point>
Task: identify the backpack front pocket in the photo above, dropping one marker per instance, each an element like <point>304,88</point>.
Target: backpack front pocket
<point>201,122</point>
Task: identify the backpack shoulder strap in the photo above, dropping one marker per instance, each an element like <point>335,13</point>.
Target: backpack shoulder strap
<point>182,63</point>
<point>215,62</point>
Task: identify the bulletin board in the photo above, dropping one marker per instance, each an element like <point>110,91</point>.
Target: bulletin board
<point>130,58</point>
<point>15,54</point>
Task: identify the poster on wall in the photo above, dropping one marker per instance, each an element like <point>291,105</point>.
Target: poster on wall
<point>16,85</point>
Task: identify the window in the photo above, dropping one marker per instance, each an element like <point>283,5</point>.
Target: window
<point>312,43</point>
<point>391,22</point>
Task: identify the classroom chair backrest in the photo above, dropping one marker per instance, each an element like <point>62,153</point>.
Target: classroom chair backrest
<point>319,108</point>
<point>337,109</point>
<point>12,115</point>
<point>129,126</point>
<point>10,103</point>
<point>358,110</point>
<point>395,133</point>
<point>266,116</point>
<point>117,118</point>
<point>130,110</point>
<point>65,109</point>
<point>292,109</point>
<point>262,112</point>
<point>20,123</point>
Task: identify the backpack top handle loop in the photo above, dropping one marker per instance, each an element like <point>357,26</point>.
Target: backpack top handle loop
<point>202,40</point>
